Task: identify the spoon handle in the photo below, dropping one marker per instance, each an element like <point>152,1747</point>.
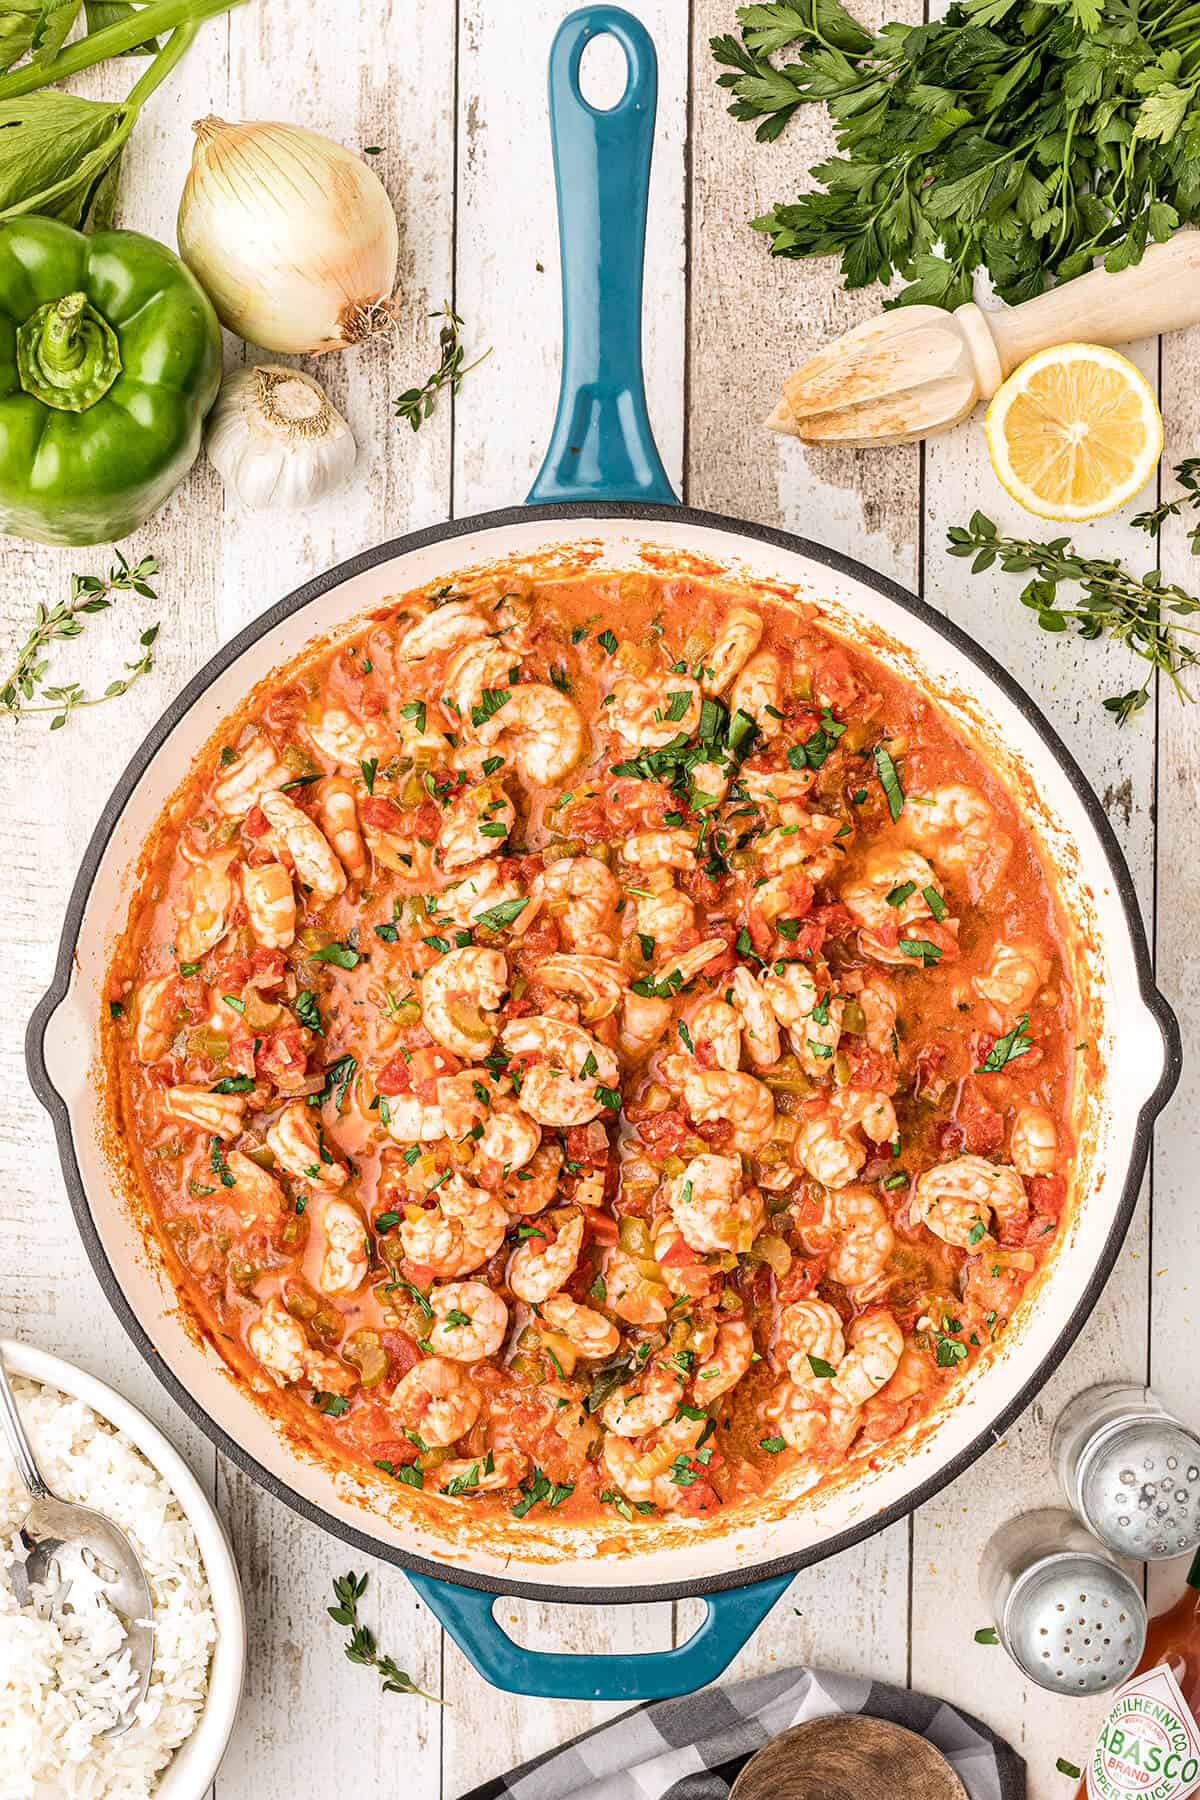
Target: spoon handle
<point>18,1443</point>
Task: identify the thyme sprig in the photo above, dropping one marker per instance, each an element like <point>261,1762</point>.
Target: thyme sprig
<point>416,404</point>
<point>89,594</point>
<point>361,1647</point>
<point>1141,612</point>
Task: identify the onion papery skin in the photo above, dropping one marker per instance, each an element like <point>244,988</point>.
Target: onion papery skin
<point>292,236</point>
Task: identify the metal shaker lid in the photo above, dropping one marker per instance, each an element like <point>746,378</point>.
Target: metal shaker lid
<point>1075,1623</point>
<point>1139,1488</point>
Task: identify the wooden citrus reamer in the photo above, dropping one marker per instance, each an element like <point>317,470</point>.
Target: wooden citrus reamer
<point>920,369</point>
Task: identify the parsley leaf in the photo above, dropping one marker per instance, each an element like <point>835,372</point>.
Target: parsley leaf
<point>1006,1049</point>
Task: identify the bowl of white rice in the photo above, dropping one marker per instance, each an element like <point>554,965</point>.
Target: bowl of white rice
<point>64,1676</point>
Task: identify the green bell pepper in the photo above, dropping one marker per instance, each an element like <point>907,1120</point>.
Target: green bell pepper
<point>110,357</point>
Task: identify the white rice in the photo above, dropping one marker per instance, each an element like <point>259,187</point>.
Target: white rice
<point>64,1677</point>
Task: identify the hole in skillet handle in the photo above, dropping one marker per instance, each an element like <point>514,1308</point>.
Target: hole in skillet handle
<point>731,1616</point>
<point>604,73</point>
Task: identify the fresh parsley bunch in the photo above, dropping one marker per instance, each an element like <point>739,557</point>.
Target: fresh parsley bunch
<point>1024,138</point>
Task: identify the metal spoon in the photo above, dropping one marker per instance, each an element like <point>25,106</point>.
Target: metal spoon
<point>62,1537</point>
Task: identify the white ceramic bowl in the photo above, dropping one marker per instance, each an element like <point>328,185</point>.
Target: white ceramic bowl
<point>190,1772</point>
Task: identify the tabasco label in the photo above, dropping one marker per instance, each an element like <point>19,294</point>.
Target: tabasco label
<point>1149,1744</point>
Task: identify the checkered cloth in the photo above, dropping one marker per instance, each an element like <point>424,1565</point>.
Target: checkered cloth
<point>695,1748</point>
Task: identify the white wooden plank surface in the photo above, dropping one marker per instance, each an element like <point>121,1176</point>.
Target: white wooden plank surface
<point>454,93</point>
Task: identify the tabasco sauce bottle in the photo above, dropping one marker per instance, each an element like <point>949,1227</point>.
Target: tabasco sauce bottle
<point>1149,1744</point>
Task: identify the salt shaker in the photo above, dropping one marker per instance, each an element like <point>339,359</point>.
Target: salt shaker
<point>1130,1472</point>
<point>1069,1616</point>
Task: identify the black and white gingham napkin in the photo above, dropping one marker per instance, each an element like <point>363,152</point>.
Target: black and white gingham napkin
<point>694,1748</point>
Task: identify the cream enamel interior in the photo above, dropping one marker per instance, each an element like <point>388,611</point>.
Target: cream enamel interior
<point>683,1552</point>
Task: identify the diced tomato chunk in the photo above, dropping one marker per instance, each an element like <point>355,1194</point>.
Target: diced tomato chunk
<point>665,1132</point>
<point>801,1279</point>
<point>1046,1194</point>
<point>834,680</point>
<point>417,1072</point>
<point>255,824</point>
<point>982,1125</point>
<point>282,1057</point>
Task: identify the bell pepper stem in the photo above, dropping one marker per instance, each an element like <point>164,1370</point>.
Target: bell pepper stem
<point>67,354</point>
<point>62,345</point>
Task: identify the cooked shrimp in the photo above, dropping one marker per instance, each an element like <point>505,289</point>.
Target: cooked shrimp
<point>809,1331</point>
<point>254,771</point>
<point>758,692</point>
<point>347,1254</point>
<point>644,1404</point>
<point>631,1295</point>
<point>280,1345</point>
<point>877,997</point>
<point>348,741</point>
<point>478,679</point>
<point>474,825</point>
<point>537,1269</point>
<point>673,849</point>
<point>646,1475</point>
<point>716,1032</point>
<point>298,1145</point>
<point>798,840</point>
<point>459,998</point>
<point>1013,976</point>
<point>413,1121</point>
<point>220,1115</point>
<point>315,864</point>
<point>735,645</point>
<point>255,1191</point>
<point>204,919</point>
<point>470,1321</point>
<point>771,789</point>
<point>760,1029</point>
<point>540,730</point>
<point>725,1365</point>
<point>152,1012</point>
<point>863,1236</point>
<point>508,1137</point>
<point>955,1199</point>
<point>644,1018</point>
<point>590,1332</point>
<point>709,1205</point>
<point>1033,1141</point>
<point>582,894</point>
<point>813,1418</point>
<point>564,1087</point>
<point>648,713</point>
<point>871,1110</point>
<point>663,913</point>
<point>900,874</point>
<point>461,1231</point>
<point>454,623</point>
<point>682,1268</point>
<point>875,1342</point>
<point>270,905</point>
<point>337,809</point>
<point>740,1100</point>
<point>957,826</point>
<point>484,888</point>
<point>492,1473</point>
<point>677,970</point>
<point>531,1188</point>
<point>438,1401</point>
<point>596,983</point>
<point>826,1152</point>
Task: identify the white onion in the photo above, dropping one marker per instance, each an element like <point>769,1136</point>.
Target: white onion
<point>292,236</point>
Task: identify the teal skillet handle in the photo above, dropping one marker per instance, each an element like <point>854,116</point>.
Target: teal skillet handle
<point>467,1615</point>
<point>602,447</point>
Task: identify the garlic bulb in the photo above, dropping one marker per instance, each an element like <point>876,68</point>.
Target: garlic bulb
<point>292,236</point>
<point>275,440</point>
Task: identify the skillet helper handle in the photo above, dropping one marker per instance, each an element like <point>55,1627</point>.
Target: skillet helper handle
<point>1161,293</point>
<point>731,1617</point>
<point>602,447</point>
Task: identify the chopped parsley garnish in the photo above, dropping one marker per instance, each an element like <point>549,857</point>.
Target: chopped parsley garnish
<point>1006,1049</point>
<point>233,1084</point>
<point>560,678</point>
<point>934,902</point>
<point>338,1076</point>
<point>920,949</point>
<point>497,917</point>
<point>489,703</point>
<point>415,710</point>
<point>607,639</point>
<point>341,955</point>
<point>455,1319</point>
<point>899,894</point>
<point>686,1037</point>
<point>614,1498</point>
<point>537,1487</point>
<point>609,1097</point>
<point>773,1445</point>
<point>115,1009</point>
<point>308,1012</point>
<point>189,968</point>
<point>889,781</point>
<point>824,1371</point>
<point>408,1473</point>
<point>368,772</point>
<point>678,701</point>
<point>218,1165</point>
<point>491,764</point>
<point>332,1404</point>
<point>599,1289</point>
<point>386,1220</point>
<point>949,1350</point>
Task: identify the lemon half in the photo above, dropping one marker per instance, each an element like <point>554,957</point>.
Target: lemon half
<point>1074,432</point>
